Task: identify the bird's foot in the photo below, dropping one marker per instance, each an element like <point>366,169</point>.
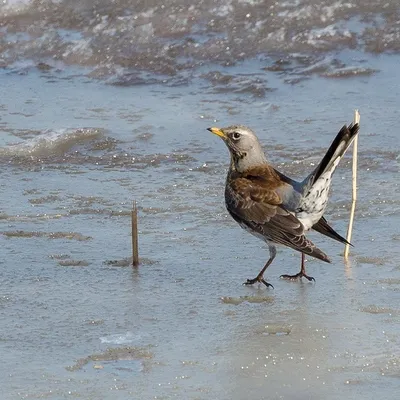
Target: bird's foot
<point>258,279</point>
<point>298,277</point>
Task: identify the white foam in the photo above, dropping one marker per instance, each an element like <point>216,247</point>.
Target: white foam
<point>120,338</point>
<point>11,7</point>
<point>50,142</point>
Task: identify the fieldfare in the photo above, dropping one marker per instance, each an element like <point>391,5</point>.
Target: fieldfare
<point>274,207</point>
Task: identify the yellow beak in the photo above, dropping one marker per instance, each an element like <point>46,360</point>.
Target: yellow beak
<point>218,132</point>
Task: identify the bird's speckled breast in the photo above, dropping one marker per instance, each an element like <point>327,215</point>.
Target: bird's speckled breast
<point>314,203</point>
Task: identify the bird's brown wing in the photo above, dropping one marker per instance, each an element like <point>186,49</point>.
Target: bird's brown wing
<point>255,202</point>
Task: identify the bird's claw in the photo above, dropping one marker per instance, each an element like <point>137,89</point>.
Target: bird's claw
<point>266,283</point>
<point>297,277</point>
<point>258,279</point>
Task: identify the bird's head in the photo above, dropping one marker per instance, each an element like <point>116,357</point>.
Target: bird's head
<point>245,149</point>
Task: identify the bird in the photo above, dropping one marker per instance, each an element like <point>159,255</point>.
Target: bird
<point>273,207</point>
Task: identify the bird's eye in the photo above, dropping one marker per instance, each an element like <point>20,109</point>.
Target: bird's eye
<point>236,135</point>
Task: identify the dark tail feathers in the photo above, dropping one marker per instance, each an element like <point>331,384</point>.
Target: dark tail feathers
<point>338,147</point>
<point>323,227</point>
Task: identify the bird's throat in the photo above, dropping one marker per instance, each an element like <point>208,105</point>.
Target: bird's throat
<point>242,161</point>
<point>237,161</point>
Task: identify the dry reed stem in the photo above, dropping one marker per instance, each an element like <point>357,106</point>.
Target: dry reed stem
<point>135,246</point>
<point>354,185</point>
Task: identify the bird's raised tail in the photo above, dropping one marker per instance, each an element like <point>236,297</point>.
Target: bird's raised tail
<point>335,152</point>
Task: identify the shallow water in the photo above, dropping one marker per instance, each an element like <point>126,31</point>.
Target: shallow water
<point>76,150</point>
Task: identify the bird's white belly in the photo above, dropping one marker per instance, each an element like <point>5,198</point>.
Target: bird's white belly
<point>308,221</point>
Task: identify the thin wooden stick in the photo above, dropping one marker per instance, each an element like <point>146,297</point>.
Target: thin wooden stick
<point>354,182</point>
<point>135,246</point>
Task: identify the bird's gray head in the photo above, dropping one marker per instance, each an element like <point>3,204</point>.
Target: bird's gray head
<point>245,149</point>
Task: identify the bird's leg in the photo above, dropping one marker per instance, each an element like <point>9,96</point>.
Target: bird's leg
<point>260,276</point>
<point>301,274</point>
